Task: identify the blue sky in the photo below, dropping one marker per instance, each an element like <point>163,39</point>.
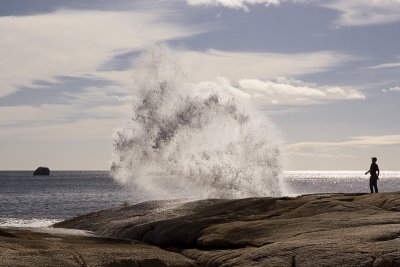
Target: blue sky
<point>325,72</point>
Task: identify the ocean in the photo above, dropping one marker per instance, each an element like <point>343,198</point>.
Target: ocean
<point>39,201</point>
<point>27,200</point>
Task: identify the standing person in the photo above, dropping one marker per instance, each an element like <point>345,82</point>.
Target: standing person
<point>374,171</point>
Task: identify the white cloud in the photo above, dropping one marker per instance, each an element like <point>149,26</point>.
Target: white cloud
<point>74,43</point>
<point>294,91</point>
<point>33,115</point>
<point>374,140</point>
<point>351,13</point>
<point>62,122</point>
<point>283,91</point>
<point>242,4</point>
<point>393,89</point>
<point>93,105</point>
<point>211,64</point>
<point>385,66</point>
<point>78,42</point>
<point>331,149</point>
<point>88,114</point>
<point>365,12</point>
<point>233,3</point>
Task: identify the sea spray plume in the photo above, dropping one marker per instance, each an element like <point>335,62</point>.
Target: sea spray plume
<point>188,140</point>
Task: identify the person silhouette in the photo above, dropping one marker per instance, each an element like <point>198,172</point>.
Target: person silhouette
<point>374,171</point>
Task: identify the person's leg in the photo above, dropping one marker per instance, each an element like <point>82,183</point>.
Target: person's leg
<point>371,185</point>
<point>376,186</point>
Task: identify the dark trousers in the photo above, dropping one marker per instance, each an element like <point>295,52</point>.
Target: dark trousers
<point>373,183</point>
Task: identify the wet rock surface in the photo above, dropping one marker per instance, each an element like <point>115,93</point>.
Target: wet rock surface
<point>310,230</point>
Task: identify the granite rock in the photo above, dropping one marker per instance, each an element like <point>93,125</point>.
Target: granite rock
<point>309,230</point>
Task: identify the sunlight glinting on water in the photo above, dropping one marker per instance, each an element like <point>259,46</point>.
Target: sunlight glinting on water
<point>310,182</point>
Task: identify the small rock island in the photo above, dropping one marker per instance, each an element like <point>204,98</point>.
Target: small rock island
<point>42,171</point>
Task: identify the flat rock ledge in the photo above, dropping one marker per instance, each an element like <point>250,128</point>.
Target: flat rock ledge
<point>309,230</point>
<point>23,247</point>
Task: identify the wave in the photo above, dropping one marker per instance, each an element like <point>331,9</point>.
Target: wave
<point>193,140</point>
<point>34,222</point>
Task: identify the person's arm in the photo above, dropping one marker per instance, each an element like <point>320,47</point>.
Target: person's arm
<point>378,169</point>
<point>369,170</point>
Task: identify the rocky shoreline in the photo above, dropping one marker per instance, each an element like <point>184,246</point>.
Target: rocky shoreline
<point>309,230</point>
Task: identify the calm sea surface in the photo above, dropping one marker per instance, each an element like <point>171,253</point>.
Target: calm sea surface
<point>42,200</point>
<point>27,200</point>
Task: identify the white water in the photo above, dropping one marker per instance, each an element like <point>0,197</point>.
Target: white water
<point>188,140</point>
<point>18,222</point>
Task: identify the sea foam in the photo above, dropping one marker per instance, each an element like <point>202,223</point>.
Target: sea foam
<point>193,140</point>
<point>33,222</point>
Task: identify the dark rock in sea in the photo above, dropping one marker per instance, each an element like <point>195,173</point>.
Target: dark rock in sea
<point>42,171</point>
<point>310,230</point>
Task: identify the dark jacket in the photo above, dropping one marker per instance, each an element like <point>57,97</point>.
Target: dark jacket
<point>373,170</point>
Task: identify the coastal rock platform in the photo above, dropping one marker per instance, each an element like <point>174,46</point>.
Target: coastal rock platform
<point>309,230</point>
<point>35,247</point>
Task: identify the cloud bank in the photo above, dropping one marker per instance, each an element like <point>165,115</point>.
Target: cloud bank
<point>332,149</point>
<point>351,13</point>
<point>242,4</point>
<point>385,66</point>
<point>283,91</point>
<point>365,12</point>
<point>75,43</point>
<point>207,65</point>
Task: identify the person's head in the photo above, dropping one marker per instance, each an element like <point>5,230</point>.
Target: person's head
<point>374,159</point>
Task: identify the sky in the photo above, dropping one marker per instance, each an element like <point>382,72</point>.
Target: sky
<point>326,73</point>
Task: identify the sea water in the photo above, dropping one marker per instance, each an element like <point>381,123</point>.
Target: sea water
<point>314,182</point>
<point>36,201</point>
